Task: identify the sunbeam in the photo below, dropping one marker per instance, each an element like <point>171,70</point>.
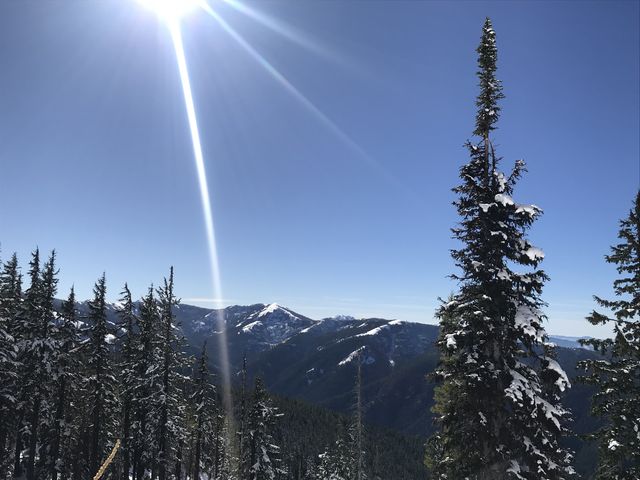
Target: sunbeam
<point>306,103</point>
<point>176,36</point>
<point>284,30</point>
<point>171,11</point>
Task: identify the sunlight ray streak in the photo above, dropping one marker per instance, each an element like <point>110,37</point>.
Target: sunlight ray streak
<point>306,103</point>
<point>176,36</point>
<point>282,29</point>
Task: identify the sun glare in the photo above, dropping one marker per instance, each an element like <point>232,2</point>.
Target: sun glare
<point>171,9</point>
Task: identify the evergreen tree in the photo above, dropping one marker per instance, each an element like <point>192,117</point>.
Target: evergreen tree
<point>356,431</point>
<point>27,329</point>
<point>617,377</point>
<point>264,455</point>
<point>224,450</point>
<point>336,463</point>
<point>206,441</point>
<point>101,382</point>
<point>244,460</point>
<point>147,388</point>
<point>37,350</point>
<point>10,299</point>
<point>346,459</point>
<point>66,379</point>
<point>50,357</point>
<point>127,375</point>
<point>498,407</point>
<point>171,433</point>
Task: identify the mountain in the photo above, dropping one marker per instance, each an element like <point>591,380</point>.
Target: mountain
<point>313,361</point>
<point>568,342</point>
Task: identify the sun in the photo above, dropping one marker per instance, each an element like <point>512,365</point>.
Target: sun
<point>171,10</point>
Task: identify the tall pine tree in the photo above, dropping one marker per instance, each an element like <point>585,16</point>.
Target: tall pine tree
<point>146,389</point>
<point>617,377</point>
<point>206,441</point>
<point>264,455</point>
<point>10,300</point>
<point>66,380</point>
<point>171,430</point>
<point>101,381</point>
<point>498,408</point>
<point>127,376</point>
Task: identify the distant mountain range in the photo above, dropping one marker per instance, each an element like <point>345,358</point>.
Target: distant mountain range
<point>313,360</point>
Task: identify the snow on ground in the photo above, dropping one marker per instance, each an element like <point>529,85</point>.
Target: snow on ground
<point>249,327</point>
<point>351,357</point>
<point>377,330</point>
<point>305,330</point>
<point>270,309</point>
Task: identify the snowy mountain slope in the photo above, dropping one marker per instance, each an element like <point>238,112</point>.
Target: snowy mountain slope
<point>315,360</point>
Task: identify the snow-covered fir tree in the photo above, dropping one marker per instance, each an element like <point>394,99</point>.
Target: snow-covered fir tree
<point>146,389</point>
<point>171,428</point>
<point>28,333</point>
<point>345,459</point>
<point>101,381</point>
<point>356,432</point>
<point>224,449</point>
<point>242,438</point>
<point>10,299</point>
<point>38,349</point>
<point>336,462</point>
<point>76,436</point>
<point>65,377</point>
<point>205,441</point>
<point>498,407</point>
<point>617,377</point>
<point>128,325</point>
<point>264,455</point>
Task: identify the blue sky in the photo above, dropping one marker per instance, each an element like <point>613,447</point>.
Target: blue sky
<point>96,161</point>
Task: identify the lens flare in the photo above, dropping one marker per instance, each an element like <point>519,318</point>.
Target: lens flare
<point>171,10</point>
<point>318,114</point>
<point>288,32</point>
<point>176,36</point>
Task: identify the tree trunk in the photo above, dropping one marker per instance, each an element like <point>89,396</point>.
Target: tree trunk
<point>33,440</point>
<point>178,471</point>
<point>126,444</point>
<point>17,462</point>
<point>196,467</point>
<point>55,448</point>
<point>94,458</point>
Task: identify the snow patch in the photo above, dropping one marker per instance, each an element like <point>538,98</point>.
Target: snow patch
<point>377,330</point>
<point>528,320</point>
<point>535,254</point>
<point>351,357</point>
<point>531,210</point>
<point>563,380</point>
<point>451,341</point>
<point>249,327</point>
<point>504,199</point>
<point>485,206</point>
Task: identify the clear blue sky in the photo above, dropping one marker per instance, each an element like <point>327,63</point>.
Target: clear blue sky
<point>96,161</point>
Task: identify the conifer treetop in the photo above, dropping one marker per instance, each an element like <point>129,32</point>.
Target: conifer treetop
<point>490,87</point>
